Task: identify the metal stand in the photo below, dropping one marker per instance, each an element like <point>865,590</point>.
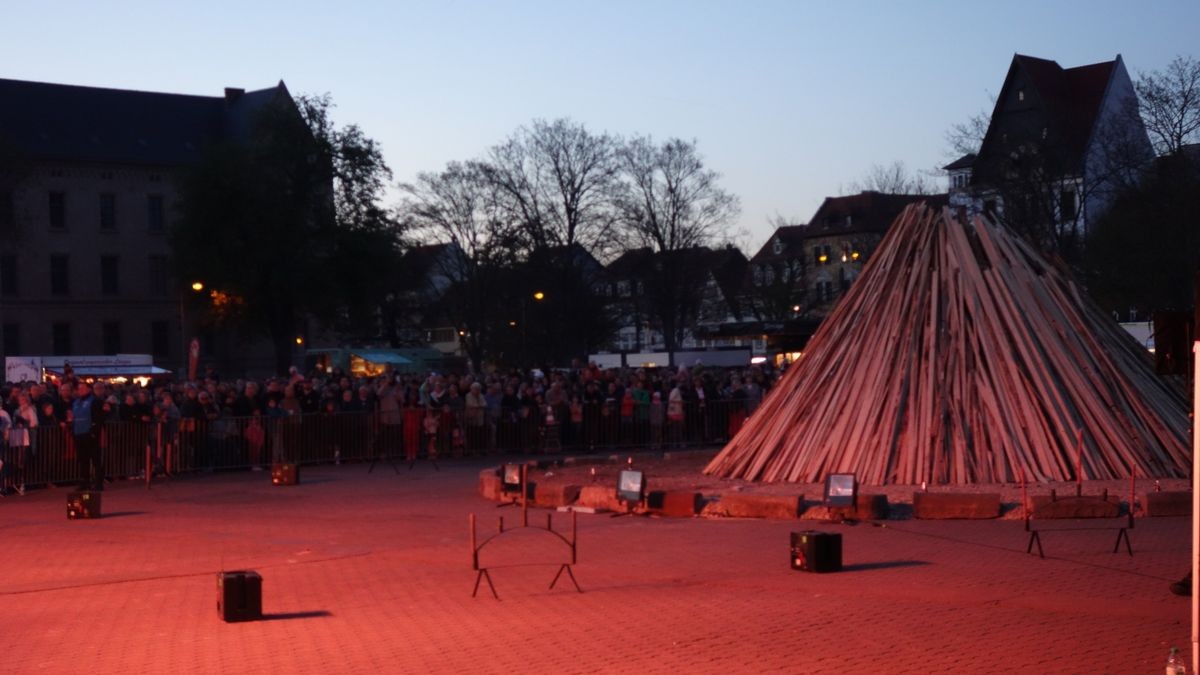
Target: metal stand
<point>382,455</point>
<point>482,572</point>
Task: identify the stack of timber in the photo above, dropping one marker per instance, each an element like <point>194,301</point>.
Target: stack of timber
<point>961,356</point>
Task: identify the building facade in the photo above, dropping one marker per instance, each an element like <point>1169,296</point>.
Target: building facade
<point>88,192</point>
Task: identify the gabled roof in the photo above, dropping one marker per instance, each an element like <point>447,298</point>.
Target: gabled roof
<point>789,235</point>
<point>964,162</point>
<point>629,265</point>
<point>867,211</point>
<point>728,266</point>
<point>92,124</point>
<point>1071,100</point>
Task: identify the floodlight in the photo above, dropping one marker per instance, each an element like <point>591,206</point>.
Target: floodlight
<point>631,486</point>
<point>840,489</point>
<point>511,479</point>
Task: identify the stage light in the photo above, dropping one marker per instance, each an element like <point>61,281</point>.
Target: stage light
<point>840,489</point>
<point>511,480</point>
<point>631,486</point>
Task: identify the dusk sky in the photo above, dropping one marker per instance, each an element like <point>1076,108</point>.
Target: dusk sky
<point>790,101</point>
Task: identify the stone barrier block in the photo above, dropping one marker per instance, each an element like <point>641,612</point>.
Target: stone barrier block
<point>599,497</point>
<point>942,506</point>
<point>490,485</point>
<point>867,507</point>
<point>1155,504</point>
<point>556,495</point>
<point>739,505</point>
<point>674,504</point>
<point>1043,507</point>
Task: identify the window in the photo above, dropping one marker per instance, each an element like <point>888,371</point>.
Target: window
<point>108,211</point>
<point>159,338</point>
<point>623,289</point>
<point>1067,206</point>
<point>758,275</point>
<point>8,276</point>
<point>58,210</point>
<point>110,332</point>
<point>7,211</point>
<point>776,246</point>
<point>60,279</point>
<point>12,339</point>
<point>158,275</point>
<point>1020,94</point>
<point>154,213</point>
<point>61,338</point>
<point>109,281</point>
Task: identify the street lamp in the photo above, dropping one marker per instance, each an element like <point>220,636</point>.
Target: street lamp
<point>538,296</point>
<point>197,286</point>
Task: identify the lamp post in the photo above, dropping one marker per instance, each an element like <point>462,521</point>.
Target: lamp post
<point>538,296</point>
<point>197,287</point>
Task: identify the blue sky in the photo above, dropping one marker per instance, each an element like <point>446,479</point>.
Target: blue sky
<point>790,101</point>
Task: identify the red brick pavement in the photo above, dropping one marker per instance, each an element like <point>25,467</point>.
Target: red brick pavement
<point>371,573</point>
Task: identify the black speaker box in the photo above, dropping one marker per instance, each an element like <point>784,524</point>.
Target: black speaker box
<point>285,474</point>
<point>83,504</point>
<point>814,551</point>
<point>239,596</point>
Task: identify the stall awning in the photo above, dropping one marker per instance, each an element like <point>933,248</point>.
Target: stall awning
<point>112,371</point>
<point>382,357</point>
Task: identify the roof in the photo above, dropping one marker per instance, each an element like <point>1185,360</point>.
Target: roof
<point>1072,96</point>
<point>788,235</point>
<point>93,124</point>
<point>1071,100</point>
<point>964,162</point>
<point>867,211</point>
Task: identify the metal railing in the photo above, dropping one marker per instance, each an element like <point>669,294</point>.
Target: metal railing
<point>130,449</point>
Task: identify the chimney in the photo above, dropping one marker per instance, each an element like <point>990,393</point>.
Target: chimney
<point>232,94</point>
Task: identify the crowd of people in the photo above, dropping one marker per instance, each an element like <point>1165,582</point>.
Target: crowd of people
<point>214,423</point>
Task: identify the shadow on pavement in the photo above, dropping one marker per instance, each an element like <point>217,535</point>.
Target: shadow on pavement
<point>887,564</point>
<point>283,616</point>
<point>118,514</point>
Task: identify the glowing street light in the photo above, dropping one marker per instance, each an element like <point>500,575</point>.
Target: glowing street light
<point>539,296</point>
<point>197,286</point>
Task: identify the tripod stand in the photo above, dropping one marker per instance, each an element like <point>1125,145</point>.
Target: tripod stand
<point>381,454</point>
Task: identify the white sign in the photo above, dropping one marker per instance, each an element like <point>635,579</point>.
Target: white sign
<point>22,369</point>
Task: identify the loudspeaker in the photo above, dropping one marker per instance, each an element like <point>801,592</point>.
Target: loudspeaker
<point>814,551</point>
<point>83,504</point>
<point>285,474</point>
<point>239,596</point>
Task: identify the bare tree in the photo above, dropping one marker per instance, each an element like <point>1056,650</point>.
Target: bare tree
<point>460,205</point>
<point>894,179</point>
<point>555,178</point>
<point>1170,104</point>
<point>671,204</point>
<point>964,138</point>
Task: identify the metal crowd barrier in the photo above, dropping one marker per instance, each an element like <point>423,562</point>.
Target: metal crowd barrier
<point>133,449</point>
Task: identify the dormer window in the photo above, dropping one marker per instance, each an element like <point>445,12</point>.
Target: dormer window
<point>849,220</point>
<point>777,246</point>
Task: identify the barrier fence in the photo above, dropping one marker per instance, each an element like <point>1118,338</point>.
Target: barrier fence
<point>188,445</point>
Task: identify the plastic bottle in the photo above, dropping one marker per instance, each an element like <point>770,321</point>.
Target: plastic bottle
<point>1175,665</point>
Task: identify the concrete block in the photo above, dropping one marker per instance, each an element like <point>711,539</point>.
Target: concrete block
<point>867,507</point>
<point>599,497</point>
<point>740,505</point>
<point>674,504</point>
<point>555,495</point>
<point>490,485</point>
<point>1043,507</point>
<point>1155,504</point>
<point>942,506</point>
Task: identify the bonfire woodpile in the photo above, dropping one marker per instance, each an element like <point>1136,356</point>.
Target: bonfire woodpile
<point>961,356</point>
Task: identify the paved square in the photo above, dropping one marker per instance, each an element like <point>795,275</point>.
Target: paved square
<point>371,573</point>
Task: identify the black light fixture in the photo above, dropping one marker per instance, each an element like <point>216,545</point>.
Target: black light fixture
<point>631,487</point>
<point>511,478</point>
<point>840,489</point>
